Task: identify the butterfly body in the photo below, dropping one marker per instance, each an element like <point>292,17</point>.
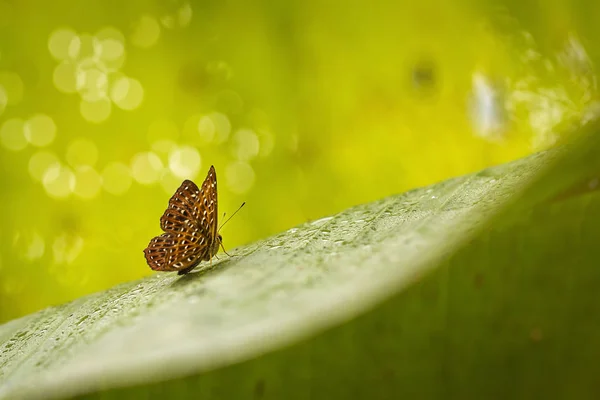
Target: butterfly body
<point>207,257</point>
<point>190,225</point>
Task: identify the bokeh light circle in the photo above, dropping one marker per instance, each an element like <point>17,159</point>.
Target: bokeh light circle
<point>95,111</point>
<point>12,134</point>
<point>267,142</point>
<point>169,182</point>
<point>64,77</point>
<point>180,18</point>
<point>59,43</point>
<point>40,130</point>
<point>146,32</point>
<point>110,32</point>
<point>13,87</point>
<point>228,100</point>
<point>83,47</point>
<point>3,99</point>
<point>116,178</point>
<point>206,129</point>
<point>74,48</point>
<point>59,181</point>
<point>146,168</point>
<point>246,144</point>
<point>92,82</point>
<point>66,248</point>
<point>163,147</point>
<point>82,152</point>
<point>87,182</point>
<point>184,15</point>
<point>40,162</point>
<point>127,93</point>
<point>111,49</point>
<point>239,177</point>
<point>36,247</point>
<point>184,162</point>
<point>222,126</point>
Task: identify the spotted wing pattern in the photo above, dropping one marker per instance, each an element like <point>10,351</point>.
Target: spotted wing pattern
<point>190,226</point>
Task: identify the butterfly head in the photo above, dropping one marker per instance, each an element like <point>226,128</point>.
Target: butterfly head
<point>216,244</point>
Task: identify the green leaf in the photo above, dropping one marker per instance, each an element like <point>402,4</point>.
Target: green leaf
<point>482,286</point>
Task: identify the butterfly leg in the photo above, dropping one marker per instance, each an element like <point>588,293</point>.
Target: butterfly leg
<point>224,251</point>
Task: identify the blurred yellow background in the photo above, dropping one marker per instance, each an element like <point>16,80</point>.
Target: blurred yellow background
<point>305,108</point>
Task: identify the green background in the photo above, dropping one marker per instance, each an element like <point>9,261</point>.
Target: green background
<point>304,108</point>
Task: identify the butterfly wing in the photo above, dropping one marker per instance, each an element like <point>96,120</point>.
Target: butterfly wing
<point>209,203</point>
<point>190,225</point>
<point>169,252</point>
<point>182,208</point>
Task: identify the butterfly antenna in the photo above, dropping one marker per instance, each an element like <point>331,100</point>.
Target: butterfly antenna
<point>231,216</point>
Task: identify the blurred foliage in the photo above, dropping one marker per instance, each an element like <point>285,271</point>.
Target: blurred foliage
<point>304,108</point>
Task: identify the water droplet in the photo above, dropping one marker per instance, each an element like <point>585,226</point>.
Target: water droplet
<point>322,220</point>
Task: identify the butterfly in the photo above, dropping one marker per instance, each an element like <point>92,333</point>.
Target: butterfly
<point>190,225</point>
